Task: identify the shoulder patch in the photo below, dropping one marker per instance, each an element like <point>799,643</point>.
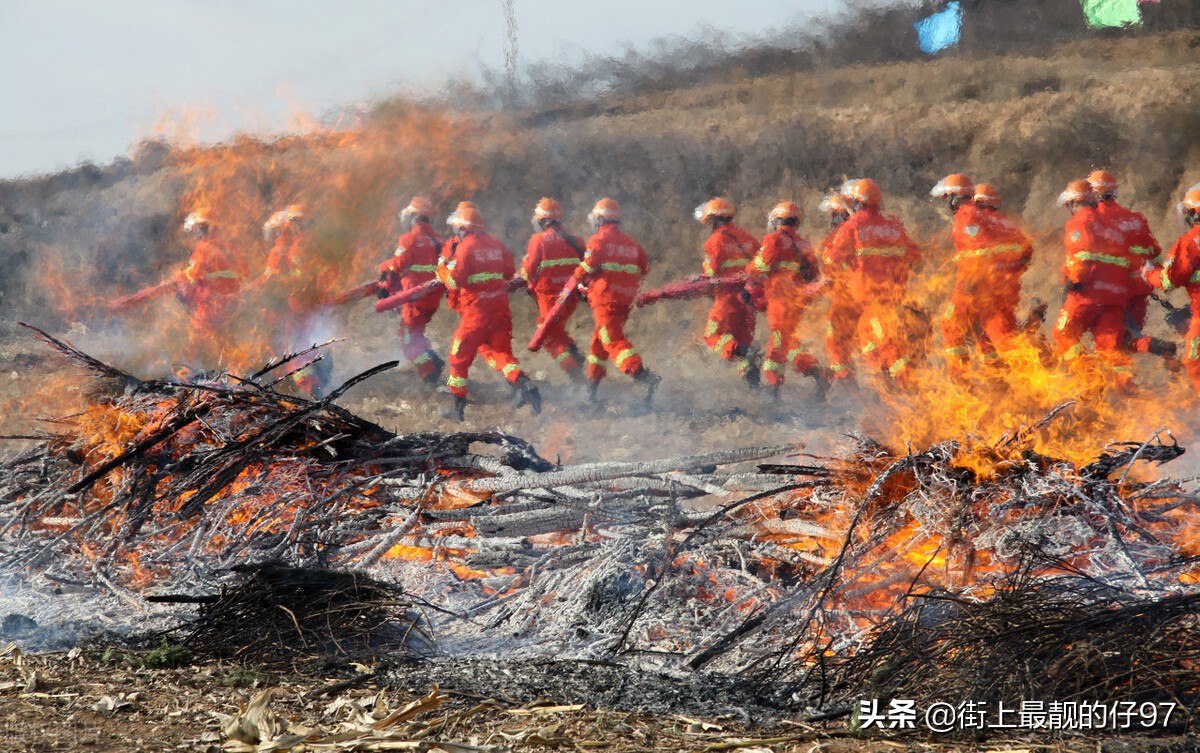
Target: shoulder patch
<point>971,230</point>
<point>400,250</point>
<point>1076,235</point>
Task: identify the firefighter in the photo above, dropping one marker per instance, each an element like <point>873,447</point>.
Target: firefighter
<point>1141,248</point>
<point>1181,269</point>
<point>550,262</point>
<point>209,285</point>
<point>990,254</point>
<point>729,330</point>
<point>477,275</point>
<point>414,263</point>
<point>876,254</point>
<point>612,269</point>
<point>844,310</point>
<point>1098,285</point>
<point>788,263</point>
<point>296,271</point>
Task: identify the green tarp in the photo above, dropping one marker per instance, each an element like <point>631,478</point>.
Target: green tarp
<point>1111,12</point>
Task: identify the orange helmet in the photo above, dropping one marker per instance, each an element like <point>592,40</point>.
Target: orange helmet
<point>1191,200</point>
<point>197,220</point>
<point>785,210</point>
<point>606,210</point>
<point>865,192</point>
<point>466,217</point>
<point>833,204</point>
<point>418,207</point>
<point>1077,190</point>
<point>1103,182</point>
<point>954,184</point>
<point>547,209</point>
<point>986,195</point>
<point>273,224</point>
<point>715,207</point>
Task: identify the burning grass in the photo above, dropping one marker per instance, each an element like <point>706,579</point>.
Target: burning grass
<point>798,575</point>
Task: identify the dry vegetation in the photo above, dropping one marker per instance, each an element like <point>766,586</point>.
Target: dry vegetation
<point>779,124</point>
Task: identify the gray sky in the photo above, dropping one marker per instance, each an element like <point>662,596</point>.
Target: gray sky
<point>86,79</point>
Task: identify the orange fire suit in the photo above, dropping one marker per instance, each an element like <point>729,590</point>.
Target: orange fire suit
<point>211,283</point>
<point>1142,248</point>
<point>788,263</point>
<point>1181,269</point>
<point>415,263</point>
<point>306,279</point>
<point>477,275</point>
<point>844,312</point>
<point>876,255</point>
<point>550,261</point>
<point>991,254</point>
<point>1099,286</point>
<point>613,267</point>
<point>730,327</point>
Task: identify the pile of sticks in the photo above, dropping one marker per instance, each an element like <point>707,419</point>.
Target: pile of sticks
<point>284,614</point>
<point>1063,638</point>
<point>782,571</point>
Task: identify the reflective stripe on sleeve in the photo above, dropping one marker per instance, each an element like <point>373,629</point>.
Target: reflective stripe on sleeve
<point>1116,261</point>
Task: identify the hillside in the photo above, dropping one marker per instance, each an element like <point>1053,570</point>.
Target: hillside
<point>1028,123</point>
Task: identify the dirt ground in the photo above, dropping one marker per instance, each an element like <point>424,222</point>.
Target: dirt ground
<point>109,700</point>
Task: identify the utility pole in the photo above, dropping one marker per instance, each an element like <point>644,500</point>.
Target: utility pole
<point>510,51</point>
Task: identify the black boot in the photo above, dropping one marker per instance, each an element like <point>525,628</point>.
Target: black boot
<point>752,374</point>
<point>821,380</point>
<point>458,409</point>
<point>439,365</point>
<point>650,380</point>
<point>593,387</point>
<point>751,371</point>
<point>527,394</point>
<point>576,373</point>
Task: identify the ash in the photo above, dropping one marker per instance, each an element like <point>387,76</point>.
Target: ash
<point>772,577</point>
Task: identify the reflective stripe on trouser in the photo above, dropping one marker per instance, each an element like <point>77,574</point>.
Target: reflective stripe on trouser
<point>1106,322</point>
<point>783,317</point>
<point>730,329</point>
<point>609,342</point>
<point>414,317</point>
<point>1191,351</point>
<point>844,313</point>
<point>879,335</point>
<point>991,321</point>
<point>488,333</point>
<point>556,341</point>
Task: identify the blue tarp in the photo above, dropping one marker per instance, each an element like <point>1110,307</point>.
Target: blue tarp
<point>941,30</point>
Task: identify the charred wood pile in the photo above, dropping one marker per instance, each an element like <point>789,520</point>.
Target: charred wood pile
<point>282,615</point>
<point>819,577</point>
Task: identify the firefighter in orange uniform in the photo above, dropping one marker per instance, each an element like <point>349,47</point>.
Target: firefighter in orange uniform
<point>612,269</point>
<point>550,261</point>
<point>1098,285</point>
<point>306,279</point>
<point>876,254</point>
<point>414,263</point>
<point>1181,269</point>
<point>727,253</point>
<point>477,275</point>
<point>991,254</point>
<point>209,285</point>
<point>788,263</point>
<point>844,310</point>
<point>1141,248</point>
